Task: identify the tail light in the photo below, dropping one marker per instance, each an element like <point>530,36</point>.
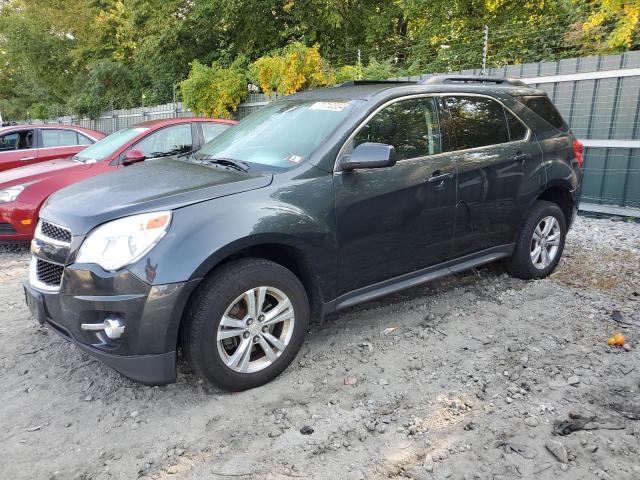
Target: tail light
<point>578,148</point>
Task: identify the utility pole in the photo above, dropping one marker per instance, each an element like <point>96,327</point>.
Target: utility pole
<point>485,48</point>
<point>359,66</point>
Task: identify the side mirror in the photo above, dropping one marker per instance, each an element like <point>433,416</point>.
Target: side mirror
<point>133,156</point>
<point>370,155</point>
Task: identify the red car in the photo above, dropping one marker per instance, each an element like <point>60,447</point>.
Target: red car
<point>22,145</point>
<point>24,190</point>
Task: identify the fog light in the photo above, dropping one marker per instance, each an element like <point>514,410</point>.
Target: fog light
<point>113,328</point>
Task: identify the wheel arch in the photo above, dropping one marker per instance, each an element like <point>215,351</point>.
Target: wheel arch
<point>560,194</point>
<point>279,249</point>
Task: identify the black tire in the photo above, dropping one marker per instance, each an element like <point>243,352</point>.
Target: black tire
<point>209,304</point>
<point>520,264</point>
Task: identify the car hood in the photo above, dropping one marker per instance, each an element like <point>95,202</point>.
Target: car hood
<point>164,184</point>
<point>40,171</point>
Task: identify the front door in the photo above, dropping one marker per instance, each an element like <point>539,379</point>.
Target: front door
<point>396,220</point>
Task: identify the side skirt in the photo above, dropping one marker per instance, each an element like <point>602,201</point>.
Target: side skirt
<point>424,275</point>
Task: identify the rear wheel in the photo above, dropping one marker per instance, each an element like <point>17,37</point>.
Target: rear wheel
<point>540,244</point>
<point>246,324</point>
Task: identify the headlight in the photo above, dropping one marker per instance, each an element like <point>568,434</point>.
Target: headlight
<point>123,241</point>
<point>11,193</point>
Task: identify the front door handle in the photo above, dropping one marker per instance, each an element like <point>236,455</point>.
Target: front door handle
<point>439,177</point>
<point>26,159</point>
<point>522,157</point>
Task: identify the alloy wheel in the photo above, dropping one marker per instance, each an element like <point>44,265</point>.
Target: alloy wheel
<point>255,329</point>
<point>545,242</point>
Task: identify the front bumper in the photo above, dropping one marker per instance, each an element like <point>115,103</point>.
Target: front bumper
<point>17,222</point>
<point>146,352</point>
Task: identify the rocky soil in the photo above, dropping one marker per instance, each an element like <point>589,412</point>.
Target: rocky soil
<point>477,376</point>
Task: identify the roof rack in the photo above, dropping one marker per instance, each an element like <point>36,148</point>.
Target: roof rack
<point>351,83</point>
<point>439,79</point>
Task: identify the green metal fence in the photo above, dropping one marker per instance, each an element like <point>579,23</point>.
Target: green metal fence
<point>600,99</point>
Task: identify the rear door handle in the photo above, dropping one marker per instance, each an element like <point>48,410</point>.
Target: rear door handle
<point>25,159</point>
<point>439,177</point>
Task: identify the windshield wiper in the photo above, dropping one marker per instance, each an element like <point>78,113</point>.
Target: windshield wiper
<point>226,162</point>
<point>188,155</point>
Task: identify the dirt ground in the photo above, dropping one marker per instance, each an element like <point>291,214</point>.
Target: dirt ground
<point>479,372</point>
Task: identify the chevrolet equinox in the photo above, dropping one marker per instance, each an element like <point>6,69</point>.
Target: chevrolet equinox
<point>317,202</point>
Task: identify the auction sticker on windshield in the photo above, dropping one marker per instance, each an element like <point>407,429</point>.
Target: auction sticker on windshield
<point>295,158</point>
<point>328,106</point>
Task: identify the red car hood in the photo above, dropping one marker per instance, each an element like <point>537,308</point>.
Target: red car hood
<point>41,171</point>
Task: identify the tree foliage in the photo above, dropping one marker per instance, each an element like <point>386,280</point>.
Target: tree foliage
<point>88,55</point>
<point>217,90</point>
<point>613,25</point>
<point>295,68</point>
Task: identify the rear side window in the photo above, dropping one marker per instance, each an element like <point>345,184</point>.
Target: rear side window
<point>544,108</point>
<point>411,126</point>
<point>475,122</point>
<point>212,130</point>
<point>517,130</point>
<point>52,137</point>
<point>82,140</point>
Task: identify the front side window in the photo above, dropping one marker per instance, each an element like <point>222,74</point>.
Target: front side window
<point>475,122</point>
<point>211,130</point>
<point>411,126</point>
<point>279,136</point>
<point>58,138</point>
<point>167,141</point>
<point>21,140</point>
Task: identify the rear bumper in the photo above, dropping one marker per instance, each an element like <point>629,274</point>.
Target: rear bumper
<point>146,352</point>
<point>13,216</point>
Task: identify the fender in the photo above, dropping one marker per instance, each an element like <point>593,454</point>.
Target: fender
<point>203,235</point>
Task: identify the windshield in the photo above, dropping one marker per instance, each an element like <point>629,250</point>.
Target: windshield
<point>105,147</point>
<point>280,135</point>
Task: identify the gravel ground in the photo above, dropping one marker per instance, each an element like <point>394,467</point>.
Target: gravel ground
<point>478,372</point>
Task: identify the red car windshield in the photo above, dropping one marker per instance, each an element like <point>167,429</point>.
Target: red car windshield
<point>108,145</point>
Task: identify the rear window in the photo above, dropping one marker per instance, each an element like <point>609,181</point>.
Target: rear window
<point>544,108</point>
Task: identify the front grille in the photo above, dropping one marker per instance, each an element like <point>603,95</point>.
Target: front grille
<point>55,232</point>
<point>7,229</point>
<point>49,274</point>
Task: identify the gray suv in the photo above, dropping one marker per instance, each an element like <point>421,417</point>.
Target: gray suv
<point>317,202</point>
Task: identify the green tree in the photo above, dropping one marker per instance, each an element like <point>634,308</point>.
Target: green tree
<point>294,68</point>
<point>217,90</point>
<point>611,26</point>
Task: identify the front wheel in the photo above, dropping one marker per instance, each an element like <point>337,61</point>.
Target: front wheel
<point>540,244</point>
<point>246,324</point>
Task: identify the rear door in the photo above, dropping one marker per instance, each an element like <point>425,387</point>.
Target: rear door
<point>60,143</point>
<point>396,220</point>
<point>17,148</point>
<point>495,157</point>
